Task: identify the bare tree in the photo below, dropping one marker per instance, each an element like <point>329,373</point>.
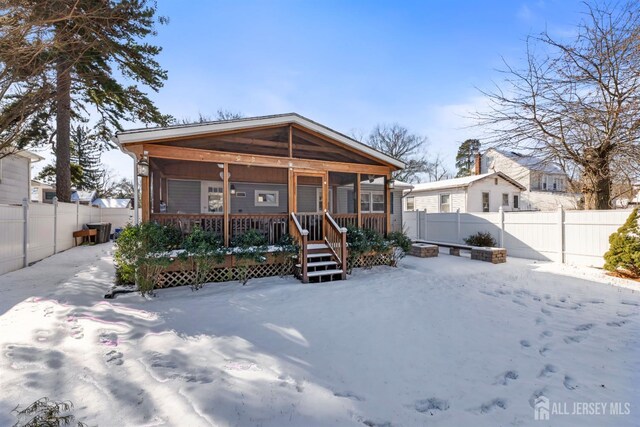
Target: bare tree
<point>437,170</point>
<point>577,104</point>
<point>397,142</point>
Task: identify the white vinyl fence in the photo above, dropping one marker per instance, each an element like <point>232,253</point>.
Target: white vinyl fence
<point>31,232</point>
<point>571,237</point>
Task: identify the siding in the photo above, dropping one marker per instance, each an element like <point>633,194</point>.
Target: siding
<point>487,185</point>
<point>492,161</point>
<point>184,196</point>
<point>247,204</point>
<point>14,179</point>
<point>430,200</point>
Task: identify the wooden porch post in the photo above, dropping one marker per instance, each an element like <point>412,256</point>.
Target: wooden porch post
<point>291,196</point>
<point>325,202</point>
<point>357,201</point>
<point>226,206</point>
<point>146,200</point>
<point>387,204</point>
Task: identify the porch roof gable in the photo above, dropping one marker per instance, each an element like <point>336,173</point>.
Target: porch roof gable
<point>151,135</point>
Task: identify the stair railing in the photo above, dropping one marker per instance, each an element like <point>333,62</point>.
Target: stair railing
<point>301,236</point>
<point>336,239</point>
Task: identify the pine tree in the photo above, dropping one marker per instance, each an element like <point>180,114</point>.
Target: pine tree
<point>624,249</point>
<point>465,158</point>
<point>85,152</point>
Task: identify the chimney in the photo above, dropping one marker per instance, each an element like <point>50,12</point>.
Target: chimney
<point>478,164</point>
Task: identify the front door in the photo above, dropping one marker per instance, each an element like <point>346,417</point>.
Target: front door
<point>311,202</point>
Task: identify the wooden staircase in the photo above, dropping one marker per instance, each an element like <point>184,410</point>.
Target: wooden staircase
<point>321,261</point>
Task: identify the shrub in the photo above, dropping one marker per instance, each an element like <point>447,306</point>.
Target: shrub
<point>142,253</point>
<point>206,251</point>
<point>483,239</point>
<point>250,247</point>
<point>44,412</point>
<point>287,248</point>
<point>624,247</point>
<point>400,244</point>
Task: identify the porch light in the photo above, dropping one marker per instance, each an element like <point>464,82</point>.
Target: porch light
<point>143,165</point>
<point>391,183</point>
<point>233,189</point>
<point>371,178</point>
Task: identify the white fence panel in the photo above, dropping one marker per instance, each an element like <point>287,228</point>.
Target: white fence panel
<point>41,231</point>
<point>587,235</point>
<point>410,223</point>
<point>11,238</point>
<point>118,217</point>
<point>67,223</point>
<point>533,235</point>
<point>573,237</point>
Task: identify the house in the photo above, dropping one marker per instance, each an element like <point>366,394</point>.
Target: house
<point>275,174</point>
<point>546,185</point>
<point>475,193</point>
<point>42,192</point>
<point>84,197</point>
<point>113,203</point>
<point>15,176</point>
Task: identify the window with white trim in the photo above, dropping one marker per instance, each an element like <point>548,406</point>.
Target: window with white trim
<point>505,199</point>
<point>372,202</point>
<point>445,203</point>
<point>267,198</point>
<point>411,203</point>
<point>516,201</point>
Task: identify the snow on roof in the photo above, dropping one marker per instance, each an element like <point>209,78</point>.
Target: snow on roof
<point>397,184</point>
<point>83,196</point>
<point>462,182</point>
<point>193,129</point>
<point>530,162</point>
<point>112,203</point>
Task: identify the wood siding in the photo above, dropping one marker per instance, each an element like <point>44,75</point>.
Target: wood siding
<point>14,179</point>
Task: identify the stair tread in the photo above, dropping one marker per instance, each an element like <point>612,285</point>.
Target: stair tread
<point>311,246</point>
<point>319,255</point>
<point>318,264</point>
<point>323,273</point>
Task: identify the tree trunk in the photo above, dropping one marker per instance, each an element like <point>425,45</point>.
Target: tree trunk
<point>63,130</point>
<point>596,185</point>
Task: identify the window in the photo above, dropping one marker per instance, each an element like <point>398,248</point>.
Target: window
<point>485,202</point>
<point>495,181</point>
<point>372,202</point>
<point>411,203</point>
<point>212,195</point>
<point>557,184</point>
<point>445,203</point>
<point>516,202</point>
<point>505,199</point>
<point>267,198</point>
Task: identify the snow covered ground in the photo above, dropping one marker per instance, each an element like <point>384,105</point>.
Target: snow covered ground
<point>444,341</point>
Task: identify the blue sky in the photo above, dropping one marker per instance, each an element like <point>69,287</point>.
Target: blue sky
<point>346,64</point>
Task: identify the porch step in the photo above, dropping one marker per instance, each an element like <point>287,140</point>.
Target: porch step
<point>316,246</point>
<point>319,264</point>
<point>317,255</point>
<point>323,273</point>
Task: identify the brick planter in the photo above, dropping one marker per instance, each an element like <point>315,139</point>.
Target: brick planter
<point>492,255</point>
<point>423,250</point>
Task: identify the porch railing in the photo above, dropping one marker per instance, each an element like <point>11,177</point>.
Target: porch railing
<point>186,222</point>
<point>375,221</point>
<point>301,236</point>
<point>312,222</point>
<point>346,220</point>
<point>336,239</point>
<point>271,226</point>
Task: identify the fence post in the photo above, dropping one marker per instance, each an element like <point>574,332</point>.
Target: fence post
<point>100,207</point>
<point>426,225</point>
<point>55,225</point>
<point>501,211</point>
<point>458,223</point>
<point>25,232</point>
<point>77,215</point>
<point>561,232</point>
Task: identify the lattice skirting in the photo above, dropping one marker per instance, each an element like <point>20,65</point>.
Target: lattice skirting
<point>170,279</point>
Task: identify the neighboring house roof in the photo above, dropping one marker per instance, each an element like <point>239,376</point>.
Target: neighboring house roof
<point>398,185</point>
<point>112,203</point>
<point>41,184</point>
<point>28,155</point>
<point>464,182</point>
<point>83,196</point>
<point>195,129</point>
<point>530,162</point>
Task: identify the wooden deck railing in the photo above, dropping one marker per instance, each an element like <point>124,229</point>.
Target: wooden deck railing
<point>336,239</point>
<point>272,226</point>
<point>375,221</point>
<point>185,222</point>
<point>312,222</point>
<point>346,220</point>
<point>301,235</point>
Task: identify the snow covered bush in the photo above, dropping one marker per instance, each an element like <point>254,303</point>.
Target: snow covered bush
<point>481,239</point>
<point>44,412</point>
<point>400,244</point>
<point>286,248</point>
<point>205,250</point>
<point>142,253</point>
<point>624,247</point>
<point>249,248</point>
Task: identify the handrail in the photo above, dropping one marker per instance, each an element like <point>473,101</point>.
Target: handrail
<point>336,239</point>
<point>301,236</point>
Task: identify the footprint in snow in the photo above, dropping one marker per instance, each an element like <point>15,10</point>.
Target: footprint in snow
<point>525,343</point>
<point>546,334</point>
<point>42,335</point>
<point>348,395</point>
<point>547,371</point>
<point>506,377</point>
<point>545,311</point>
<point>536,394</point>
<point>617,324</point>
<point>519,302</point>
<point>431,406</point>
<point>626,302</point>
<point>487,407</point>
<point>623,314</point>
<point>108,338</point>
<point>370,423</point>
<point>114,358</point>
<point>584,327</point>
<point>540,321</point>
<point>569,383</point>
<point>544,350</point>
<point>595,301</point>
<point>573,339</point>
<point>48,311</point>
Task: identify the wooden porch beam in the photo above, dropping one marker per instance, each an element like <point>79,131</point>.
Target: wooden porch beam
<point>290,141</point>
<point>357,201</point>
<point>180,153</point>
<point>225,203</point>
<point>387,203</point>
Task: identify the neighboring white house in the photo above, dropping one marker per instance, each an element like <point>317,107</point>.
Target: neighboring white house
<point>546,185</point>
<point>42,192</point>
<point>113,203</point>
<point>15,176</point>
<point>476,193</point>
